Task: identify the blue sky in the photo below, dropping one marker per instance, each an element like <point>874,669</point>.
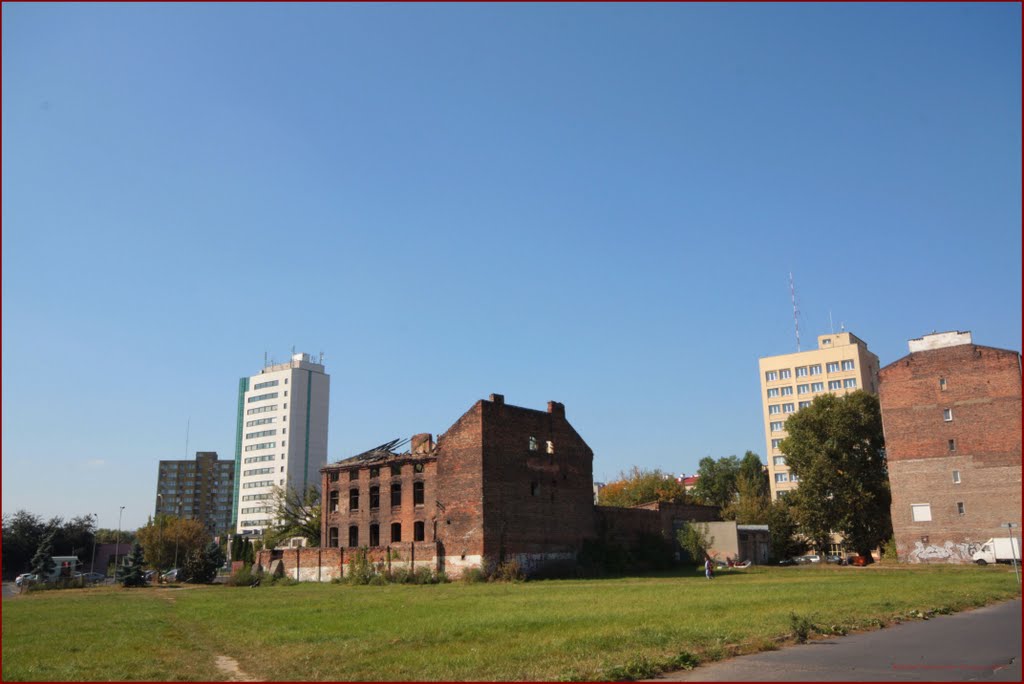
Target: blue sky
<point>596,204</point>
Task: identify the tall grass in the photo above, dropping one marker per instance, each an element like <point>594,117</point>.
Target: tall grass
<point>544,630</point>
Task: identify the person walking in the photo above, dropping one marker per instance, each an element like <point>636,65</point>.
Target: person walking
<point>707,568</point>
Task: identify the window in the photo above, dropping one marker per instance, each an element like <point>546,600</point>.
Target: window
<point>533,443</point>
<point>332,476</point>
<point>848,365</point>
<point>787,391</point>
<point>803,389</point>
<point>773,392</point>
<point>771,376</point>
<point>261,397</point>
<point>374,500</point>
<point>947,415</point>
<point>261,445</point>
<point>417,531</point>
<point>815,369</point>
<point>353,536</point>
<point>921,512</point>
<point>332,536</point>
<point>534,488</point>
<point>781,477</point>
<point>550,446</point>
<point>817,387</point>
<point>803,404</point>
<point>956,477</point>
<point>801,372</point>
<point>952,444</point>
<point>374,534</point>
<point>417,493</point>
<point>259,421</point>
<point>374,472</point>
<point>960,507</point>
<point>286,393</point>
<point>832,367</point>
<point>777,426</point>
<point>262,433</point>
<point>942,384</point>
<point>776,443</point>
<point>396,470</point>
<point>785,374</point>
<point>353,499</point>
<point>774,409</point>
<point>352,475</point>
<point>334,504</point>
<point>396,494</point>
<point>834,384</point>
<point>261,385</point>
<point>850,383</point>
<point>779,460</point>
<point>793,477</point>
<point>787,408</point>
<point>396,532</point>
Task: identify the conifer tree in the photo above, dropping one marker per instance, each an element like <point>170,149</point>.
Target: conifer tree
<point>133,573</point>
<point>43,564</point>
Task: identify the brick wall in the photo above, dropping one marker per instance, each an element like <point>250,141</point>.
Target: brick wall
<point>326,564</point>
<point>982,388</point>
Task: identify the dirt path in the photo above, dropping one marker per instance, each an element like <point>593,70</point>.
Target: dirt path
<point>229,666</point>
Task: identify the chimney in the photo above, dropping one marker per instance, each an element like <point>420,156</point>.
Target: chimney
<point>556,408</point>
<point>498,398</point>
<point>422,443</point>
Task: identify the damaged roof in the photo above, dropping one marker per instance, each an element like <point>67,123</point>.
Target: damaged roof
<point>383,453</point>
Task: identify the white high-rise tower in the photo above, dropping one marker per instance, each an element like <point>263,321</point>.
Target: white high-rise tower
<point>281,437</point>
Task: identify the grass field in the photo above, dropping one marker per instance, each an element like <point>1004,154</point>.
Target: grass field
<point>545,630</point>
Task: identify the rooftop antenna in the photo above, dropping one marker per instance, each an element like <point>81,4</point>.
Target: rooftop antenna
<point>264,359</point>
<point>321,358</point>
<point>796,312</point>
<point>188,425</point>
<point>293,350</point>
<point>831,327</point>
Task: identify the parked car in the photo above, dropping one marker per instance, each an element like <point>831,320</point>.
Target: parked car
<point>859,561</point>
<point>25,578</point>
<point>812,558</point>
<point>170,575</point>
<point>91,577</point>
<point>787,561</point>
<point>834,558</point>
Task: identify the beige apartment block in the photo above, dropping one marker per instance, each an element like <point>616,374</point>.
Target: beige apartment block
<point>789,382</point>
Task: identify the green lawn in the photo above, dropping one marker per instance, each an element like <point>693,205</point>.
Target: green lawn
<point>546,630</point>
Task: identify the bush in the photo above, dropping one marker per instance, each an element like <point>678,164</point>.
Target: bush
<point>473,575</point>
<point>801,626</point>
<point>509,571</point>
<point>245,577</point>
<point>360,569</point>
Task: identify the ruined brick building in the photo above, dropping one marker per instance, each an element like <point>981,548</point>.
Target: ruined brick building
<point>502,483</point>
<point>951,411</point>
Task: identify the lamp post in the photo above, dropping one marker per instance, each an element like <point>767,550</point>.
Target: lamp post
<point>92,563</point>
<point>160,543</point>
<point>117,541</point>
<point>177,533</point>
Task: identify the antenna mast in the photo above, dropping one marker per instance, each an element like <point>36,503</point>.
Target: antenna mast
<point>796,312</point>
<point>188,426</point>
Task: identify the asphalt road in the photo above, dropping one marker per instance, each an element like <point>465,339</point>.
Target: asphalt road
<point>982,645</point>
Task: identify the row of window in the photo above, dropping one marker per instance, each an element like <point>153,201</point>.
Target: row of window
<point>261,409</point>
<point>259,471</point>
<point>418,534</point>
<point>787,391</point>
<point>257,509</point>
<point>263,522</point>
<point>256,497</point>
<point>268,383</point>
<point>923,512</point>
<point>806,371</point>
<point>257,459</point>
<point>786,477</point>
<point>396,470</point>
<point>259,421</point>
<point>259,483</point>
<point>261,397</point>
<point>261,445</point>
<point>261,433</point>
<point>334,498</point>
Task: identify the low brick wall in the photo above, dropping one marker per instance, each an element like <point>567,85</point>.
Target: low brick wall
<point>326,564</point>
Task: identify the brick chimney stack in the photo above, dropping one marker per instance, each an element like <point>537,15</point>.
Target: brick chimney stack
<point>556,408</point>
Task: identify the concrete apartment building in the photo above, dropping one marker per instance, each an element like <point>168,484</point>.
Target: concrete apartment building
<point>281,437</point>
<point>200,490</point>
<point>789,382</point>
<point>951,411</point>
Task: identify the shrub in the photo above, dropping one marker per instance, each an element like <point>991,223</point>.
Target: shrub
<point>801,626</point>
<point>245,577</point>
<point>509,571</point>
<point>473,575</point>
<point>401,575</point>
<point>360,569</point>
<point>889,550</point>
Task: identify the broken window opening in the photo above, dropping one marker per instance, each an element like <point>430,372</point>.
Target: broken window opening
<point>418,531</point>
<point>396,532</point>
<point>374,472</point>
<point>332,536</point>
<point>374,499</point>
<point>374,534</point>
<point>551,447</point>
<point>353,536</point>
<point>396,495</point>
<point>417,493</point>
<point>396,469</point>
<point>353,499</point>
<point>334,502</point>
<point>533,443</point>
<point>534,488</point>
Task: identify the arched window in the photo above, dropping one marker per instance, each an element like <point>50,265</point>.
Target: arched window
<point>374,534</point>
<point>417,531</point>
<point>353,536</point>
<point>396,532</point>
<point>332,536</point>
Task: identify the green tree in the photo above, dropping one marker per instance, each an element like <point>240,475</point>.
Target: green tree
<point>166,534</point>
<point>201,564</point>
<point>835,448</point>
<point>642,486</point>
<point>43,564</point>
<point>695,540</point>
<point>132,573</point>
<point>783,530</point>
<point>22,534</point>
<point>296,514</point>
<point>716,481</point>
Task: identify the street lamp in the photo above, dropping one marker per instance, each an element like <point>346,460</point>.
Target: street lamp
<point>160,543</point>
<point>92,564</point>
<point>117,541</point>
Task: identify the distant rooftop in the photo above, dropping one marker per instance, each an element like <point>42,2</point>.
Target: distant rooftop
<point>939,340</point>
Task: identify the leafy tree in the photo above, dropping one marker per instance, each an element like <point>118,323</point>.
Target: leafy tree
<point>296,514</point>
<point>694,539</point>
<point>106,535</point>
<point>22,534</point>
<point>132,573</point>
<point>201,565</point>
<point>43,564</point>
<point>782,527</point>
<point>716,482</point>
<point>642,486</point>
<point>835,447</point>
<point>160,538</point>
<point>752,476</point>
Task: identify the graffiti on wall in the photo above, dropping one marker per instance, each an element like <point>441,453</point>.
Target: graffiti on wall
<point>950,552</point>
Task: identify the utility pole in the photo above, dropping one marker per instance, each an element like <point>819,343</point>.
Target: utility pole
<point>117,541</point>
<point>92,563</point>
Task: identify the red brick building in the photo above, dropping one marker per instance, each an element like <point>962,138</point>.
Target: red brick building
<point>951,411</point>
